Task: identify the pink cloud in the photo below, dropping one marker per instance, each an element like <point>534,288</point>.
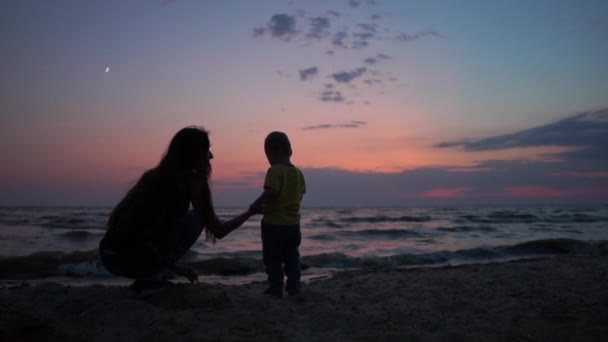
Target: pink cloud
<point>445,193</point>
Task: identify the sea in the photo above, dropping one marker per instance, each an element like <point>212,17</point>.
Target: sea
<point>59,244</point>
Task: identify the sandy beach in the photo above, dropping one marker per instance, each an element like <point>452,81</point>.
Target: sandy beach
<point>557,299</point>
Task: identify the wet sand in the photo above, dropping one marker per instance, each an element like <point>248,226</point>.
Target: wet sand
<point>558,299</point>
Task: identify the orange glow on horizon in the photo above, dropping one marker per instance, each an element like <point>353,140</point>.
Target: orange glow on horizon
<point>446,193</point>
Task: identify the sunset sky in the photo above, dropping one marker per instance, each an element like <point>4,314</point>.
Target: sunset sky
<point>386,102</point>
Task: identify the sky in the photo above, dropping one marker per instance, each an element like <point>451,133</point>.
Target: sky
<point>386,102</point>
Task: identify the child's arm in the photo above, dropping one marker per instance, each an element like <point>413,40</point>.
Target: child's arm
<point>258,205</point>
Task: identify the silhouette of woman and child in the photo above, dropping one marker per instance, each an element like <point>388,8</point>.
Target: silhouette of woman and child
<point>165,212</point>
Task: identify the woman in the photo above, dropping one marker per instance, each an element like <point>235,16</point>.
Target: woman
<point>152,227</point>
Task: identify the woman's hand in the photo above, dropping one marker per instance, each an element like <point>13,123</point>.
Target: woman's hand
<point>255,209</point>
<point>186,272</point>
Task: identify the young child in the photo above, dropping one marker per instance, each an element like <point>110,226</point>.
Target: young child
<point>280,204</point>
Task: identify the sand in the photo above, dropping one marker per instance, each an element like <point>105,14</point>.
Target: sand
<point>558,299</point>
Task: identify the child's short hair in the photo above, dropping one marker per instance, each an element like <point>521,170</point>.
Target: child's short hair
<point>277,142</point>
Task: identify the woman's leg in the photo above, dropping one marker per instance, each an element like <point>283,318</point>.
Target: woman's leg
<point>179,238</point>
<point>151,257</point>
<point>133,262</point>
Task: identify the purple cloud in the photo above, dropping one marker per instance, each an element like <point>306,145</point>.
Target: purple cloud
<point>347,77</point>
<point>374,60</point>
<point>281,26</point>
<point>588,131</point>
<point>330,95</point>
<point>351,124</point>
<point>308,73</point>
<point>319,27</point>
<point>405,37</point>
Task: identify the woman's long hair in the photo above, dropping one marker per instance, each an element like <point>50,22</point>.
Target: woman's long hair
<point>187,153</point>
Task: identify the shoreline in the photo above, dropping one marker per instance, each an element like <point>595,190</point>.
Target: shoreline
<point>308,274</point>
<point>554,299</point>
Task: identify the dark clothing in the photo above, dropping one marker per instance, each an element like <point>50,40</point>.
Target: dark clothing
<point>148,256</point>
<point>151,207</point>
<point>151,228</point>
<point>280,246</point>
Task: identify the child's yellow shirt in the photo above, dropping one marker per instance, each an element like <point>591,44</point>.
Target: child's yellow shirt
<point>287,182</point>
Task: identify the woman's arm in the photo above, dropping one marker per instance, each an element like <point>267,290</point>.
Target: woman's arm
<point>221,229</point>
<point>201,201</point>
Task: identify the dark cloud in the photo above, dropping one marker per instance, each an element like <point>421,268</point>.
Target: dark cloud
<point>405,37</point>
<point>374,60</point>
<point>572,180</point>
<point>338,38</point>
<point>319,27</point>
<point>281,26</point>
<point>372,81</point>
<point>369,32</point>
<point>351,124</point>
<point>486,183</point>
<point>308,73</point>
<point>347,77</point>
<point>363,36</point>
<point>330,95</point>
<point>359,3</point>
<point>360,44</point>
<point>368,27</point>
<point>586,131</point>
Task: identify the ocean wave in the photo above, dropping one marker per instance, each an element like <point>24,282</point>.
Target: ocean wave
<point>323,237</point>
<point>512,217</point>
<point>501,217</point>
<point>378,219</point>
<point>467,229</point>
<point>15,222</point>
<point>340,260</point>
<point>42,264</point>
<point>68,222</point>
<point>536,248</point>
<point>84,264</point>
<point>77,235</point>
<point>576,217</point>
<point>385,233</point>
<point>322,222</point>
